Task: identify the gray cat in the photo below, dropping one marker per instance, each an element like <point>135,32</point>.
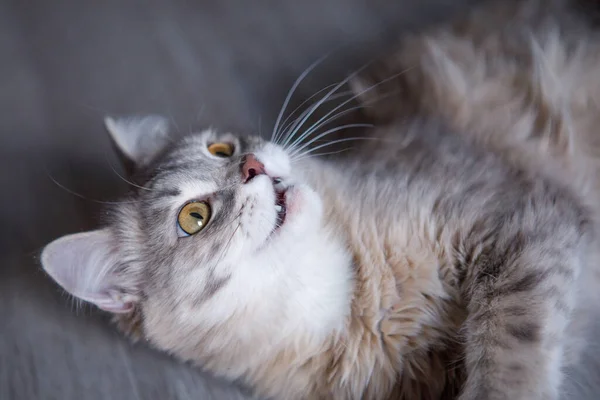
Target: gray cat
<point>452,255</point>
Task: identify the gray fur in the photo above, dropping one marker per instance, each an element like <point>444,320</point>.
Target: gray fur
<point>516,238</point>
<point>512,249</point>
<point>66,64</point>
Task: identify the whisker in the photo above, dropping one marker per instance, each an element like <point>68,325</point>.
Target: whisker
<point>335,142</point>
<point>327,153</point>
<point>356,95</point>
<point>274,135</point>
<point>225,226</point>
<point>228,245</point>
<point>87,198</point>
<point>123,178</point>
<point>330,131</point>
<point>324,98</point>
<point>283,124</point>
<point>316,126</point>
<point>290,131</point>
<point>287,129</point>
<point>366,104</point>
<point>363,105</point>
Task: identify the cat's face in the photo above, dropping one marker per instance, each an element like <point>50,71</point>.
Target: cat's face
<point>220,201</point>
<point>223,242</point>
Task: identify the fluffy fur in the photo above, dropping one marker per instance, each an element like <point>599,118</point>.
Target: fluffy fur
<point>454,255</point>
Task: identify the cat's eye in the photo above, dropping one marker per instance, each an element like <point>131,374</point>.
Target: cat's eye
<point>221,149</point>
<point>194,216</point>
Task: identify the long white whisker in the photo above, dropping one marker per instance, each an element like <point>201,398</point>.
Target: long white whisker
<point>123,178</point>
<point>228,245</point>
<point>283,124</point>
<point>328,95</point>
<point>73,193</point>
<point>301,155</point>
<point>346,111</point>
<point>327,153</point>
<point>293,124</point>
<point>286,130</point>
<point>291,131</point>
<point>308,132</point>
<point>274,136</point>
<point>320,125</point>
<point>330,131</point>
<point>316,126</point>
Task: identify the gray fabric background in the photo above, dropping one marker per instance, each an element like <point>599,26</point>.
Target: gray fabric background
<point>63,66</point>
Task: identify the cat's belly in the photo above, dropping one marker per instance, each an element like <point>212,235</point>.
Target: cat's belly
<point>412,288</point>
<point>421,329</point>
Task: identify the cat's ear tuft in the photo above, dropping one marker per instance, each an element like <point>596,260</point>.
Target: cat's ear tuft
<point>139,139</point>
<point>87,266</point>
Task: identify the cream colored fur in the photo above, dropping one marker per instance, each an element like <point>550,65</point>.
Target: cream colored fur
<point>367,292</point>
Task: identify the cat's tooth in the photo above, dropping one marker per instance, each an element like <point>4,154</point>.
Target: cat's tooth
<point>278,208</point>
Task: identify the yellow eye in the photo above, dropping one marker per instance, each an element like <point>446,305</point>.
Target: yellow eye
<point>221,149</point>
<point>193,217</point>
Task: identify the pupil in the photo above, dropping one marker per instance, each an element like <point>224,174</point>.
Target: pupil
<point>221,154</point>
<point>196,215</point>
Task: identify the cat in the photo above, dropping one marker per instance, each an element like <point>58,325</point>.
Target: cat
<point>452,255</point>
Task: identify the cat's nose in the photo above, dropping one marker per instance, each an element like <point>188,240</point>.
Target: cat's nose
<point>251,167</point>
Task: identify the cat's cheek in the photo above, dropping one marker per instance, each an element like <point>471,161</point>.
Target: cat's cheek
<point>304,208</point>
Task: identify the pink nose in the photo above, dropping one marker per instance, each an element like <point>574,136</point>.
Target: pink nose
<point>251,167</point>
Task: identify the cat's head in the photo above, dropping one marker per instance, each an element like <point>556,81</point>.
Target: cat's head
<point>221,248</point>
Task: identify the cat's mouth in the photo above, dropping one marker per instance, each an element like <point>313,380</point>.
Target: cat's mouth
<point>280,208</point>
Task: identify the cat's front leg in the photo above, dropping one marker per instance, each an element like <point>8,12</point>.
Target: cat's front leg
<point>519,301</point>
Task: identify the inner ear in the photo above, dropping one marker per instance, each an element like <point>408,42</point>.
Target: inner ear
<point>138,139</point>
<point>87,266</point>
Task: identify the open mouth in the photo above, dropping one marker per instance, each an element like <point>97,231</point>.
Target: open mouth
<point>280,207</point>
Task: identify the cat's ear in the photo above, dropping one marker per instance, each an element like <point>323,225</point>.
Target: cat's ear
<point>138,139</point>
<point>87,266</point>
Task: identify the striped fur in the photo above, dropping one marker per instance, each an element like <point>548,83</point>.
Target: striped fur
<point>454,256</point>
